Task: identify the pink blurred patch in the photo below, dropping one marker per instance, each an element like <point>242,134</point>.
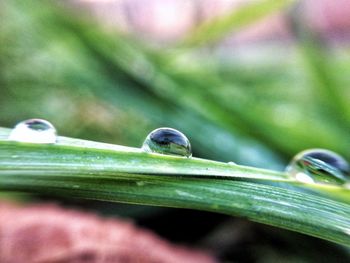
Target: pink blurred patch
<point>172,20</point>
<point>47,233</point>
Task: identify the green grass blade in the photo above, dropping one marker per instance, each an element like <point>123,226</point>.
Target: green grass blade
<point>101,171</point>
<point>219,27</point>
<point>319,63</point>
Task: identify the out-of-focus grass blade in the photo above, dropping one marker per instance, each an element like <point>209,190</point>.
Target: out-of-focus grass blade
<point>253,108</point>
<point>319,63</point>
<point>218,27</point>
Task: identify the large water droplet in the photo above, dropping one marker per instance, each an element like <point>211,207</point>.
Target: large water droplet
<point>167,141</point>
<point>34,131</point>
<point>319,166</point>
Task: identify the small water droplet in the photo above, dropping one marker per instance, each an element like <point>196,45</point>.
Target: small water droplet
<point>140,183</point>
<point>319,166</point>
<point>167,141</point>
<point>232,163</point>
<point>34,131</point>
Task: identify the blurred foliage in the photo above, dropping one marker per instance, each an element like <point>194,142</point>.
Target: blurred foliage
<point>98,85</point>
<point>106,86</point>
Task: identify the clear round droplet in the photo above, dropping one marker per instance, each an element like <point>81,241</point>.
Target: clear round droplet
<point>167,141</point>
<point>34,131</point>
<point>319,166</point>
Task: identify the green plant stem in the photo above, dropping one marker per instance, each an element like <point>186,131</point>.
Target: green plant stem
<point>100,171</point>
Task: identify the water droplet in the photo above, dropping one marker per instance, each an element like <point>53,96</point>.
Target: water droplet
<point>140,183</point>
<point>319,166</point>
<point>232,163</point>
<point>167,141</point>
<point>34,131</point>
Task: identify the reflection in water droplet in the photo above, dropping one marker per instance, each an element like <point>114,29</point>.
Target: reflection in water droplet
<point>319,166</point>
<point>34,131</point>
<point>167,141</point>
<point>304,178</point>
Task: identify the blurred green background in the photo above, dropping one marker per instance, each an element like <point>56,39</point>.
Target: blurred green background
<point>257,105</point>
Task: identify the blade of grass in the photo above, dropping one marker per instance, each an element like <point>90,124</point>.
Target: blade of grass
<point>220,107</point>
<point>100,171</point>
<point>218,27</point>
<point>319,62</point>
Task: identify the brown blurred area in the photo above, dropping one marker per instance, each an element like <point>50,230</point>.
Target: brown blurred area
<point>50,234</point>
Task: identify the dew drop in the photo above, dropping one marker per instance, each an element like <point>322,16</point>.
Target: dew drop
<point>34,131</point>
<point>319,166</point>
<point>167,141</point>
<point>232,163</point>
<point>140,183</point>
